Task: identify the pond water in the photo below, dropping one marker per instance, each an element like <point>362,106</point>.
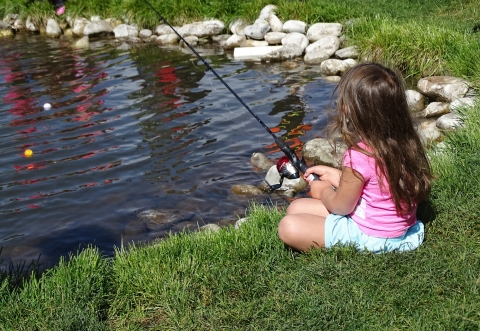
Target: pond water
<point>133,130</point>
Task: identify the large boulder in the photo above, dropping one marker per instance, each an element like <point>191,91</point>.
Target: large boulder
<point>443,88</point>
<point>319,30</point>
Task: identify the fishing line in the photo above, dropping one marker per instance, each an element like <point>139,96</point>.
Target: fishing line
<point>299,164</point>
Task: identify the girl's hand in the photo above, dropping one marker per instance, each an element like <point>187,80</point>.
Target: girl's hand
<point>329,174</point>
<point>317,188</point>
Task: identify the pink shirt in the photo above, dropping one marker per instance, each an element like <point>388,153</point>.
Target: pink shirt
<point>375,213</point>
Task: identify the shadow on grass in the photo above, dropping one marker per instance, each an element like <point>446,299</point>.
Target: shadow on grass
<point>426,212</point>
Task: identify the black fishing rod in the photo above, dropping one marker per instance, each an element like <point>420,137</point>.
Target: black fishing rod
<point>282,166</point>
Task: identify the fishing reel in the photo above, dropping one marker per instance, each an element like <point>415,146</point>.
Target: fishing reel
<point>285,169</point>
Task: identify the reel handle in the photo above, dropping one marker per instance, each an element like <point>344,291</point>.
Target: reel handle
<point>298,163</point>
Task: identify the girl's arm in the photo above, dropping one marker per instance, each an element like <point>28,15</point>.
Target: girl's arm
<point>344,200</point>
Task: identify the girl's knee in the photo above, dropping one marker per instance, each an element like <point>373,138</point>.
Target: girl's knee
<point>286,228</point>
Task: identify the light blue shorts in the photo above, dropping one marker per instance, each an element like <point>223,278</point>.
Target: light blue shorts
<point>342,229</point>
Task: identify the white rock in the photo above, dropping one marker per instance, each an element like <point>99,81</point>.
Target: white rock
<point>267,11</point>
<point>255,43</point>
<point>333,67</point>
<point>53,29</point>
<point>415,101</point>
<point>321,151</point>
<point>435,109</point>
<point>461,103</point>
<point>81,43</point>
<point>167,39</point>
<point>30,25</point>
<point>347,52</point>
<point>297,39</point>
<point>237,26</point>
<point>79,25</point>
<point>329,44</point>
<point>125,31</point>
<point>145,33</point>
<point>164,29</point>
<point>234,41</point>
<point>258,30</point>
<point>191,40</point>
<point>316,57</point>
<point>274,38</point>
<point>97,28</point>
<point>286,52</point>
<point>319,30</point>
<point>449,121</point>
<point>275,23</point>
<point>350,62</point>
<point>294,26</point>
<point>202,29</point>
<point>443,88</point>
<point>431,131</point>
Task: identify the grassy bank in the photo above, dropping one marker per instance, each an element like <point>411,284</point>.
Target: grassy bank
<point>422,38</point>
<point>246,280</point>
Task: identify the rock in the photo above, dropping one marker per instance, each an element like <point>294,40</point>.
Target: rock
<point>274,38</point>
<point>258,30</point>
<point>221,39</point>
<point>443,88</point>
<point>333,67</point>
<point>461,104</point>
<point>210,228</point>
<point>254,53</point>
<point>332,79</point>
<point>350,62</point>
<point>316,57</point>
<point>10,18</point>
<point>273,177</point>
<point>267,11</point>
<point>275,24</point>
<point>255,43</point>
<point>164,29</point>
<point>297,39</point>
<point>431,132</point>
<point>167,39</point>
<point>202,29</point>
<point>125,31</point>
<point>53,29</point>
<point>319,30</point>
<point>347,53</point>
<point>5,30</point>
<point>435,109</point>
<point>246,190</point>
<point>415,101</point>
<point>240,222</point>
<point>145,34</point>
<point>449,122</point>
<point>191,40</point>
<point>286,52</point>
<point>320,151</point>
<point>329,44</point>
<point>234,40</point>
<point>97,28</point>
<point>82,43</point>
<point>31,25</point>
<point>294,26</point>
<point>237,26</point>
<point>18,25</point>
<point>261,161</point>
<point>79,25</point>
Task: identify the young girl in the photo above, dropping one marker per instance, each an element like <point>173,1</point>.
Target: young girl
<point>385,172</point>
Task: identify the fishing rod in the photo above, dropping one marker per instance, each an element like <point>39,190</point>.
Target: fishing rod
<point>283,166</point>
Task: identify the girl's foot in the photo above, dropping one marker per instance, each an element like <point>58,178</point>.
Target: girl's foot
<point>60,10</point>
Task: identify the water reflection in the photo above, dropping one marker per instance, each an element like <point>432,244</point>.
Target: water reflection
<point>135,132</point>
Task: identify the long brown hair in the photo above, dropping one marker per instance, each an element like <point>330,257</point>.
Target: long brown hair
<point>372,108</point>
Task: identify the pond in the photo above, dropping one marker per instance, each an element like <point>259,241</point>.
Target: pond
<point>136,129</point>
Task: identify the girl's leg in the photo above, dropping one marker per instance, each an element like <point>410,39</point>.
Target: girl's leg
<point>304,225</point>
